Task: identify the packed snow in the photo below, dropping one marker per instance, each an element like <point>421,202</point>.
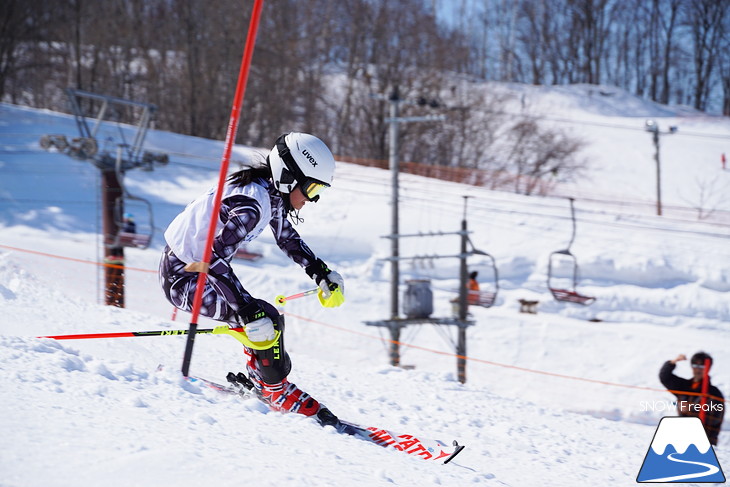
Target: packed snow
<point>569,396</point>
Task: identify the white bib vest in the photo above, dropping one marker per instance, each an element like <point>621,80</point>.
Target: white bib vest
<point>188,232</point>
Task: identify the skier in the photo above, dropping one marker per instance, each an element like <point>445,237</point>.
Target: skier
<point>691,404</point>
<point>297,170</point>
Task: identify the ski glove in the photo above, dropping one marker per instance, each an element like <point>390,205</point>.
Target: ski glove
<point>258,318</point>
<point>331,284</point>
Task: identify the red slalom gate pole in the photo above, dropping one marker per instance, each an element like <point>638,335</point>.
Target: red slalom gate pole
<point>230,138</point>
<point>705,390</point>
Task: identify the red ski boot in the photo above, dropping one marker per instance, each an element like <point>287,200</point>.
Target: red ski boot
<point>287,397</point>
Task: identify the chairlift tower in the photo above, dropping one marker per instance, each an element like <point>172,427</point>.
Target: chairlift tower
<point>461,321</point>
<point>113,158</point>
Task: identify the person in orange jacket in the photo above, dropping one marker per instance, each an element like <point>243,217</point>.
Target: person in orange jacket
<point>473,289</point>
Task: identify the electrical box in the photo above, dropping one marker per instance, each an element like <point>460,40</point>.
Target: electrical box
<point>418,299</point>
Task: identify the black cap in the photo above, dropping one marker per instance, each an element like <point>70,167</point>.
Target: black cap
<point>699,358</point>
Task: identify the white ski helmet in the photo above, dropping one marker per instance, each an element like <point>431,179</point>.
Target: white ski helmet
<point>301,160</point>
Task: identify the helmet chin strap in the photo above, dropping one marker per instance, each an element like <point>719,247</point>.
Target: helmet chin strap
<point>290,211</point>
<point>295,218</point>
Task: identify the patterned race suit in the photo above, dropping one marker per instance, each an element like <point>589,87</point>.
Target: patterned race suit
<point>244,213</point>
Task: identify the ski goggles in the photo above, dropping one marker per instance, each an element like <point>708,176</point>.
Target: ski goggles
<point>311,188</point>
<point>698,366</point>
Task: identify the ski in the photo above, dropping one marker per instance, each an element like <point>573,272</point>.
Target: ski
<point>426,449</point>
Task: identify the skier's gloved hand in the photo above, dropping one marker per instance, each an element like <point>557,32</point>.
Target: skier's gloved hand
<point>258,318</point>
<point>327,280</point>
<point>331,284</point>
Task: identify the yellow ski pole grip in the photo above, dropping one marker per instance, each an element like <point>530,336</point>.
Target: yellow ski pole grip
<point>243,338</point>
<point>335,299</point>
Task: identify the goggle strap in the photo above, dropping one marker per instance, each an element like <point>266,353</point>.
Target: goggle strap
<point>288,160</point>
<point>286,176</point>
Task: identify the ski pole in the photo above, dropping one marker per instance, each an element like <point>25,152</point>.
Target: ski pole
<point>281,299</point>
<point>237,333</point>
<point>123,334</point>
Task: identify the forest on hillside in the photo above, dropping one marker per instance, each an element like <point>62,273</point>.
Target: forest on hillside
<point>329,66</point>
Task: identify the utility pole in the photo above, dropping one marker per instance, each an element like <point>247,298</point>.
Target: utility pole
<point>393,133</point>
<point>394,120</point>
<point>655,137</point>
<point>652,127</point>
<point>463,272</point>
<point>394,172</point>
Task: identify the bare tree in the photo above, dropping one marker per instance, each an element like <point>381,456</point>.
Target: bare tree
<point>24,25</point>
<point>534,35</point>
<point>318,64</point>
<point>711,193</point>
<point>723,61</point>
<point>541,155</point>
<point>669,26</point>
<point>592,20</point>
<point>705,19</point>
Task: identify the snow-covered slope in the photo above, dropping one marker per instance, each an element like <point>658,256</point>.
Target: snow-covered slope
<point>550,399</point>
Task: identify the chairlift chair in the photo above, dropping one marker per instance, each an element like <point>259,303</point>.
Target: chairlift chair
<point>487,297</point>
<point>566,258</point>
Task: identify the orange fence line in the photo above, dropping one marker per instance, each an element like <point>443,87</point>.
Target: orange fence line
<point>72,259</point>
<point>425,349</point>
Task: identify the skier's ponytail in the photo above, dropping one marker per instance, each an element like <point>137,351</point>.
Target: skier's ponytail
<point>244,176</point>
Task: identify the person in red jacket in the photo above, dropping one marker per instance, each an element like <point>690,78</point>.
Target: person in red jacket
<point>691,404</point>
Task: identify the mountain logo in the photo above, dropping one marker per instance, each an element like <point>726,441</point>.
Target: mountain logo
<point>680,452</point>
